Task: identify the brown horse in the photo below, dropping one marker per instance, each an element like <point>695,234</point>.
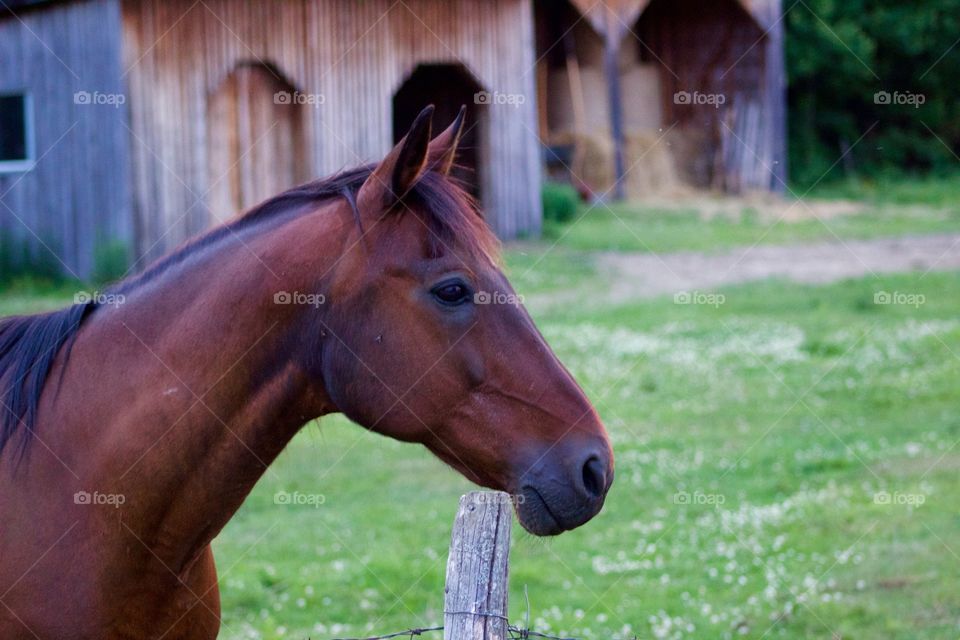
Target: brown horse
<point>136,423</point>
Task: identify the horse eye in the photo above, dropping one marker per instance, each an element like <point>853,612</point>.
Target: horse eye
<point>451,293</point>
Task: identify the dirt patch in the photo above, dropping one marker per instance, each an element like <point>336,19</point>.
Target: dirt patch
<point>819,263</point>
<point>767,207</point>
<point>641,275</point>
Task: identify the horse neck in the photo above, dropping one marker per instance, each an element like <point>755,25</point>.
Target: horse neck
<point>205,379</point>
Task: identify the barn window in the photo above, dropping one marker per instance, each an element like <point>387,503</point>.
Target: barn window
<point>16,133</point>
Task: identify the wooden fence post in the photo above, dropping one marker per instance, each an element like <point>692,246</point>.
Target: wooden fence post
<point>475,595</point>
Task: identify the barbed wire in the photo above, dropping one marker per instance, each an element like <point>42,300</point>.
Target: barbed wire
<point>516,633</point>
<point>409,632</point>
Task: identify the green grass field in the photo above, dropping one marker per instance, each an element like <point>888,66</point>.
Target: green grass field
<point>787,467</point>
<point>887,209</point>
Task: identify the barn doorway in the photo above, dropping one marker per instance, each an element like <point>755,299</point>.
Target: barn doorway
<point>256,146</point>
<point>447,86</point>
<point>711,61</point>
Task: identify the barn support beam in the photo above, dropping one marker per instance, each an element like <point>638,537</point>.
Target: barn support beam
<point>776,90</point>
<point>613,32</point>
<point>611,53</point>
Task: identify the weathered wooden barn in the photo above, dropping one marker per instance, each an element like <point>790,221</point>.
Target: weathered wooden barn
<point>663,93</point>
<point>142,122</point>
<point>137,123</point>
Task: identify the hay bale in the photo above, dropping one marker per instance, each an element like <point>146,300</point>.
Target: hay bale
<point>593,159</point>
<point>694,156</point>
<point>649,165</point>
<point>649,160</point>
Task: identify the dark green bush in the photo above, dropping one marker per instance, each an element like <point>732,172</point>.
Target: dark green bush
<point>110,262</point>
<point>560,202</point>
<point>840,56</point>
<point>20,259</point>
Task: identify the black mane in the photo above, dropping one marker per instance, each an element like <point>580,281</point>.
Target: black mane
<point>29,345</point>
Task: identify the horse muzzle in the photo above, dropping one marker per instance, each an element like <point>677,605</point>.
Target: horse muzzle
<point>564,491</point>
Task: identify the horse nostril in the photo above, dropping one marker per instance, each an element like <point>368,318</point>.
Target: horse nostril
<point>594,479</point>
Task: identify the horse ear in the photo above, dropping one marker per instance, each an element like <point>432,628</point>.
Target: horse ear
<point>400,169</point>
<point>443,148</point>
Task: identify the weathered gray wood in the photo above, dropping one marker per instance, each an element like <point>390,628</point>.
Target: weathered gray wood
<point>475,596</point>
<point>775,94</point>
<point>146,174</point>
<point>611,71</point>
<point>77,196</point>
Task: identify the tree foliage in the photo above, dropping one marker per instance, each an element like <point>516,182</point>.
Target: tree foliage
<point>872,87</point>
